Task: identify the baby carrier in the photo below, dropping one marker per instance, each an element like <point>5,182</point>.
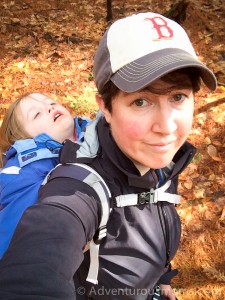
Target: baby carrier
<point>89,176</point>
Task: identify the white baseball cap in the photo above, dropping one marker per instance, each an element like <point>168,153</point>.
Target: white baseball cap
<point>141,48</point>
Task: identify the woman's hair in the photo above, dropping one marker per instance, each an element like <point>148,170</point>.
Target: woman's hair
<point>11,129</point>
<point>110,90</point>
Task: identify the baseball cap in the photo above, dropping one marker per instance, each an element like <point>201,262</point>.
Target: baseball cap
<point>141,48</point>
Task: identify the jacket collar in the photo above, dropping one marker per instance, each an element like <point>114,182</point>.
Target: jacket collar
<point>29,150</point>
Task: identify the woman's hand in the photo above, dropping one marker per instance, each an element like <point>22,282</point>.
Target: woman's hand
<point>167,292</point>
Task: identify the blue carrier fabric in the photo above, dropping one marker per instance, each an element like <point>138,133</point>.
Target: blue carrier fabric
<point>89,176</point>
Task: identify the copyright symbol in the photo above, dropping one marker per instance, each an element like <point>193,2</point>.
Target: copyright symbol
<point>81,290</point>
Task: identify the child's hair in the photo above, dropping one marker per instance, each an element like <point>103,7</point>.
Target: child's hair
<point>11,129</point>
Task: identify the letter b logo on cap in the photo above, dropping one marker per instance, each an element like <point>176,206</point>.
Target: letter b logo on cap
<point>161,27</point>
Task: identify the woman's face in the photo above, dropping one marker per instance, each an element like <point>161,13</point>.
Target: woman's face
<point>150,128</point>
<point>39,114</point>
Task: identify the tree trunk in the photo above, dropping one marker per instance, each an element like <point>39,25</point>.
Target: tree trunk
<point>109,10</point>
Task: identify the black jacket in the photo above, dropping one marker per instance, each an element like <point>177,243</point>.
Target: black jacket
<point>47,248</point>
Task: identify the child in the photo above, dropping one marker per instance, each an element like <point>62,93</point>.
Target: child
<point>31,137</point>
<point>147,74</point>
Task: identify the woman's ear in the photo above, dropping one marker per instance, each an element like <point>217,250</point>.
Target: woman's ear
<point>101,106</point>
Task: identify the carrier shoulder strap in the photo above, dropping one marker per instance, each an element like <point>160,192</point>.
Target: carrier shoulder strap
<point>89,176</point>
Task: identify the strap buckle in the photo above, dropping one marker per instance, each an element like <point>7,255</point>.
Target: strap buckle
<point>148,197</point>
<point>100,234</point>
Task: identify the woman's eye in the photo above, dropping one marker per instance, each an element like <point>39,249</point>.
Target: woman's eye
<point>140,102</point>
<point>179,97</point>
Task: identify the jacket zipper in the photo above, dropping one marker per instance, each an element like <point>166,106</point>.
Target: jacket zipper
<point>166,234</point>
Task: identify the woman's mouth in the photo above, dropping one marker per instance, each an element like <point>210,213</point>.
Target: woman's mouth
<point>161,147</point>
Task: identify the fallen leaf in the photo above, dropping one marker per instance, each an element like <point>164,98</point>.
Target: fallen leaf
<point>207,141</point>
<point>15,20</point>
<point>188,184</point>
<point>222,217</point>
<point>199,193</point>
<point>220,201</point>
<point>212,151</point>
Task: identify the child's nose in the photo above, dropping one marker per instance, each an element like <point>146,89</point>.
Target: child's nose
<point>50,108</point>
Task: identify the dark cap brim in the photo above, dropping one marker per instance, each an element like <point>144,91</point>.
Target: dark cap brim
<point>141,72</point>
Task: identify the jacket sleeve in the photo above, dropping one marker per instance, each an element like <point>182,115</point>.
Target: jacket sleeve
<point>47,247</point>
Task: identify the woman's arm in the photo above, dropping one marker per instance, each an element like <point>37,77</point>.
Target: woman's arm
<point>47,247</point>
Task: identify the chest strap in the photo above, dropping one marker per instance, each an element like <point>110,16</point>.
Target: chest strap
<point>153,196</point>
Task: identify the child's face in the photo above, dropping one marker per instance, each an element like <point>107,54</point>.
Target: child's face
<point>39,114</point>
<point>150,128</point>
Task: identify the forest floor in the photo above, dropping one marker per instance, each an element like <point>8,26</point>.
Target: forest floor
<point>48,46</point>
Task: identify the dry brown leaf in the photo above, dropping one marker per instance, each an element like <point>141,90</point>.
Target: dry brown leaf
<point>199,193</point>
<point>15,20</point>
<point>222,217</point>
<point>220,201</point>
<point>217,143</point>
<point>212,151</point>
<point>188,184</point>
<point>207,141</point>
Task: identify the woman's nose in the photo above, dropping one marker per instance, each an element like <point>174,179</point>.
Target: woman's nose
<point>164,123</point>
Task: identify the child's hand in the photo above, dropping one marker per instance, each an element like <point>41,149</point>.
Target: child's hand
<point>167,292</point>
